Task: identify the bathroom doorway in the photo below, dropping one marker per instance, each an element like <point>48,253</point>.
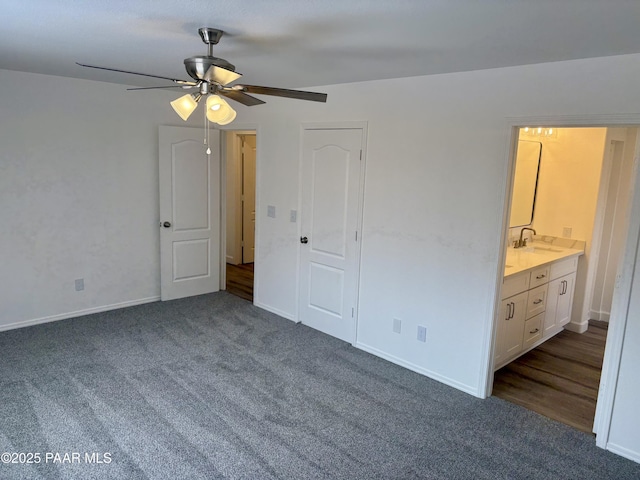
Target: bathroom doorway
<point>583,193</point>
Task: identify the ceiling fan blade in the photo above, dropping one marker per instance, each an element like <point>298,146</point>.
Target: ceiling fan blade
<point>241,97</point>
<point>282,92</point>
<point>219,75</point>
<point>168,86</point>
<point>174,80</point>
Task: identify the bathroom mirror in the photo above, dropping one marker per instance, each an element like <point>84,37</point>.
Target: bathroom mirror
<point>523,199</point>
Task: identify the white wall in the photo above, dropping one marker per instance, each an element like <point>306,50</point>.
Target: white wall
<point>434,192</point>
<point>78,195</point>
<point>624,436</point>
<point>433,211</point>
<point>433,198</point>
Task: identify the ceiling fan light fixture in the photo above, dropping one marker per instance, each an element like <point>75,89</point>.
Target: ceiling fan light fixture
<point>185,105</point>
<point>229,118</point>
<point>219,111</point>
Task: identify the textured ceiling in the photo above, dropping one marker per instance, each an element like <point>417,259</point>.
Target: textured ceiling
<point>302,43</point>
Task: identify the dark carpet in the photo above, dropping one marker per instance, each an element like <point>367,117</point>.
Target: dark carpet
<point>212,387</point>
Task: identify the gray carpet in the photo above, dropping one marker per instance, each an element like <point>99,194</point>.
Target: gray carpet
<point>211,387</point>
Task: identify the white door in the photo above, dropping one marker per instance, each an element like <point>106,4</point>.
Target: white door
<point>248,198</point>
<point>331,168</point>
<point>189,213</point>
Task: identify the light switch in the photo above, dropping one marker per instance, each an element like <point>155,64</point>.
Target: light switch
<point>271,211</point>
<point>293,216</point>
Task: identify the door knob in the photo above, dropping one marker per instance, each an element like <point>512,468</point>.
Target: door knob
<point>166,224</point>
<point>304,240</point>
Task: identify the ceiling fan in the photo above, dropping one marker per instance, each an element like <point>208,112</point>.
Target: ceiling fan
<point>212,76</point>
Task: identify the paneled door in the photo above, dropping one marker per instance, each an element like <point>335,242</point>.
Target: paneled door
<point>189,212</point>
<point>331,192</point>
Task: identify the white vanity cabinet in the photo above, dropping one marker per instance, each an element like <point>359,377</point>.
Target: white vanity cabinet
<point>512,319</point>
<point>536,304</point>
<point>560,300</point>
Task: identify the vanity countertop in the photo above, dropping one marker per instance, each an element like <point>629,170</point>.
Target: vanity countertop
<point>537,254</point>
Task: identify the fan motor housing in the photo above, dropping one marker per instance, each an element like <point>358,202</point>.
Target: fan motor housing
<point>198,65</point>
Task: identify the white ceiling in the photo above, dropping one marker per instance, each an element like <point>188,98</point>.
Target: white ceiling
<point>302,43</point>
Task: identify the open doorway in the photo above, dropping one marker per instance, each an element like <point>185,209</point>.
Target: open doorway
<point>581,193</point>
<point>240,212</point>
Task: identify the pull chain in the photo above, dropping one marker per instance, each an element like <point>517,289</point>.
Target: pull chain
<point>206,134</point>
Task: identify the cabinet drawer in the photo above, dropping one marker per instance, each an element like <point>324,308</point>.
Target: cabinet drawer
<point>532,330</point>
<point>539,276</point>
<point>563,267</point>
<point>537,300</point>
<point>515,284</point>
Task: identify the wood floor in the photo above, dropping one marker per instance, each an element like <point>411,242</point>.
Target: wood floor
<point>240,280</point>
<point>558,379</point>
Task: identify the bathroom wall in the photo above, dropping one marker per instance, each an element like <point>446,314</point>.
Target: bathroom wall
<point>569,182</point>
<point>567,197</point>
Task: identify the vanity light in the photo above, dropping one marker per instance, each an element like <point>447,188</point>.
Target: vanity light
<point>543,132</point>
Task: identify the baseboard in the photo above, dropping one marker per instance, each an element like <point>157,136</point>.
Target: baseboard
<point>600,316</point>
<point>77,313</point>
<point>577,327</point>
<point>415,368</point>
<point>277,311</point>
<point>624,452</point>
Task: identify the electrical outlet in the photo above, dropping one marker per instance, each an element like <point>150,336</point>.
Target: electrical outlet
<point>566,232</point>
<point>422,333</point>
<point>79,284</point>
<point>397,325</point>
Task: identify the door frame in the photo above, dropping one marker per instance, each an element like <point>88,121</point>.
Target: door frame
<point>622,294</point>
<point>240,129</point>
<point>344,125</point>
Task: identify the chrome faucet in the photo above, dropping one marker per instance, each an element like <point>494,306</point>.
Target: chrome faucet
<point>523,241</point>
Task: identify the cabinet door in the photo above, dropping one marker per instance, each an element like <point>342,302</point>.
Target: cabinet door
<point>565,299</point>
<point>514,324</point>
<point>499,349</point>
<point>559,303</point>
<point>555,289</point>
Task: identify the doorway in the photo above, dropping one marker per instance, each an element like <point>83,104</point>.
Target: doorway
<point>240,212</point>
<point>560,378</point>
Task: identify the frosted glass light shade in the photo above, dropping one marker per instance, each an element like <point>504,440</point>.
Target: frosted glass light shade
<point>184,106</point>
<point>219,111</point>
<point>229,118</point>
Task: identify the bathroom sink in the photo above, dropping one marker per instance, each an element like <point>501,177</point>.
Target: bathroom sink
<point>546,249</point>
